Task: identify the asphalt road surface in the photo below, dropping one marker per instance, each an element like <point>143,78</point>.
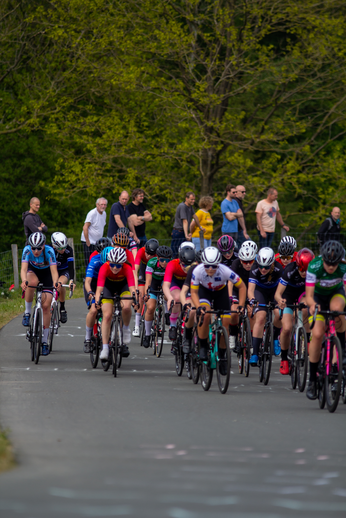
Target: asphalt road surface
<point>150,444</point>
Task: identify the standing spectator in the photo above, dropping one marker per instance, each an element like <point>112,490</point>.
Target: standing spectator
<point>267,211</point>
<point>138,216</point>
<point>203,214</point>
<point>32,221</point>
<point>330,228</point>
<point>231,213</point>
<point>242,232</point>
<point>93,228</point>
<point>183,217</point>
<point>119,214</point>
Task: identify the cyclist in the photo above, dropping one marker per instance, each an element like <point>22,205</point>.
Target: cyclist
<point>65,265</point>
<point>122,240</point>
<point>38,266</point>
<point>147,252</point>
<point>185,299</point>
<point>291,290</point>
<point>286,251</point>
<point>90,285</point>
<point>173,281</point>
<point>263,280</point>
<point>132,246</point>
<point>226,245</point>
<point>100,245</point>
<point>210,283</point>
<point>154,274</point>
<point>325,288</point>
<point>115,277</point>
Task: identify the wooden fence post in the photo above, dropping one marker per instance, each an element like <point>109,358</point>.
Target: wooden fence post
<point>14,249</point>
<point>71,243</point>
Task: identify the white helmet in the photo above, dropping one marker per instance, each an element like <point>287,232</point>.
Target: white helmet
<point>117,256</point>
<point>246,253</point>
<point>251,244</point>
<point>186,244</point>
<point>59,240</point>
<point>265,257</point>
<point>211,256</point>
<point>36,239</point>
<point>290,240</point>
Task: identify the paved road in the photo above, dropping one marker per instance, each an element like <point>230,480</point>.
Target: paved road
<point>150,444</point>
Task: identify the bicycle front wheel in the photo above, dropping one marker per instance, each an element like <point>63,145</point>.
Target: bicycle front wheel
<point>53,327</point>
<point>142,325</point>
<point>223,361</point>
<point>267,354</point>
<point>292,354</point>
<point>120,344</point>
<point>206,375</point>
<point>194,361</point>
<point>160,332</point>
<point>37,336</point>
<point>247,346</point>
<point>333,374</point>
<point>302,359</point>
<point>240,354</point>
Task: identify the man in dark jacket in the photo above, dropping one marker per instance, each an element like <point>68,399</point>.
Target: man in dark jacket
<point>32,221</point>
<point>330,228</point>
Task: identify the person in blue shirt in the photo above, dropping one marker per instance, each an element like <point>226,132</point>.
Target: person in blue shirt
<point>119,214</point>
<point>231,212</point>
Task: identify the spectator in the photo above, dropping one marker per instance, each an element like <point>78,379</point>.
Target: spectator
<point>330,228</point>
<point>267,211</point>
<point>231,213</point>
<point>138,216</point>
<point>119,214</point>
<point>32,221</point>
<point>183,217</point>
<point>242,232</point>
<point>205,205</point>
<point>93,228</point>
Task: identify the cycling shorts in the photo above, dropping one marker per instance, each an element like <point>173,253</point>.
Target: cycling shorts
<point>264,297</point>
<point>176,283</point>
<point>291,300</point>
<point>219,298</point>
<point>44,276</point>
<point>155,286</point>
<point>112,288</point>
<point>64,272</point>
<point>324,300</point>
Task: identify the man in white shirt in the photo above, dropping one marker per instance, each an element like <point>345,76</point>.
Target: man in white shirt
<point>267,212</point>
<point>93,228</point>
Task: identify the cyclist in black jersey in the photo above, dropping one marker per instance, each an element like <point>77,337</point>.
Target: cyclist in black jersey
<point>226,245</point>
<point>65,265</point>
<point>185,298</point>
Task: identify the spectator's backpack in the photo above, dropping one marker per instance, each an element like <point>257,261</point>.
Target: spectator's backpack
<point>330,221</point>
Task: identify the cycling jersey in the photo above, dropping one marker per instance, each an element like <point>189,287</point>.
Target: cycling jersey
<point>215,282</point>
<point>124,274</point>
<point>65,261</point>
<point>155,269</point>
<point>94,267</point>
<point>44,260</point>
<point>238,268</point>
<point>323,282</point>
<point>173,269</point>
<point>95,252</point>
<point>294,282</point>
<point>187,281</point>
<point>229,262</point>
<point>269,280</point>
<point>141,258</point>
<point>278,259</point>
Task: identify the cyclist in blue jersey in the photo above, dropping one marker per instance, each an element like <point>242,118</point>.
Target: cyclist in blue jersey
<point>38,265</point>
<point>65,265</point>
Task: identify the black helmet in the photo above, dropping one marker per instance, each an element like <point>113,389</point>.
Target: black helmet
<point>151,246</point>
<point>164,252</point>
<point>102,243</point>
<point>187,255</point>
<point>199,256</point>
<point>286,248</point>
<point>123,230</point>
<point>332,252</point>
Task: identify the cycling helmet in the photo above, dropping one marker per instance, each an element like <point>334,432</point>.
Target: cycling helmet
<point>225,244</point>
<point>289,239</point>
<point>187,255</point>
<point>102,243</point>
<point>117,255</point>
<point>286,248</point>
<point>332,252</point>
<point>37,239</point>
<point>199,256</point>
<point>250,244</point>
<point>58,240</point>
<point>120,239</point>
<point>186,244</point>
<point>164,252</point>
<point>151,246</point>
<point>211,256</point>
<point>246,253</point>
<point>104,253</point>
<point>304,256</point>
<point>265,257</point>
<point>123,230</point>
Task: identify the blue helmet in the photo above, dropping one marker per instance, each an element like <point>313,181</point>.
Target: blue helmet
<point>104,254</point>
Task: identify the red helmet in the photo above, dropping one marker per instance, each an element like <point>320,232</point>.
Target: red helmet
<point>305,255</point>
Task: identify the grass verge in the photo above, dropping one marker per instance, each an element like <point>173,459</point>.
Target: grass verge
<point>7,460</point>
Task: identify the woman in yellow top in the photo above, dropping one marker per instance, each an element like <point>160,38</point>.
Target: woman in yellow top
<point>205,205</point>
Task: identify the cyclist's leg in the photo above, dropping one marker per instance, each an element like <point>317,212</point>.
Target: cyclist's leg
<point>64,278</point>
<point>107,311</point>
<point>175,293</point>
<point>138,314</point>
<point>337,303</point>
<point>258,328</point>
<point>287,325</point>
<point>46,302</point>
<point>29,296</point>
<point>233,324</point>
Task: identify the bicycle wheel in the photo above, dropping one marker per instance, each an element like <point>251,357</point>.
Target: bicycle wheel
<point>302,359</point>
<point>343,390</point>
<point>223,362</point>
<point>206,375</point>
<point>267,354</point>
<point>113,346</point>
<point>142,325</point>
<point>30,336</point>
<point>37,335</point>
<point>333,374</point>
<point>261,370</point>
<point>159,331</point>
<point>292,355</point>
<point>320,384</point>
<point>120,344</point>
<point>240,354</point>
<point>53,327</point>
<point>247,346</point>
<point>194,361</point>
<point>179,359</point>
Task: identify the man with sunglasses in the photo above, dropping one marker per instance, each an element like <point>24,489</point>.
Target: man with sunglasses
<point>65,265</point>
<point>325,289</point>
<point>263,280</point>
<point>291,290</point>
<point>38,265</point>
<point>154,274</point>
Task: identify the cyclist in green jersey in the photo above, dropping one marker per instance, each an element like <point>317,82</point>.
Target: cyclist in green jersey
<point>325,288</point>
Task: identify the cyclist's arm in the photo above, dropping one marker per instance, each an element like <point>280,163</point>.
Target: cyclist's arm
<point>87,284</point>
<point>23,274</point>
<point>251,290</point>
<point>242,293</point>
<point>195,297</point>
<point>148,279</point>
<point>166,291</point>
<point>309,298</point>
<point>54,272</point>
<point>184,291</point>
<point>279,295</point>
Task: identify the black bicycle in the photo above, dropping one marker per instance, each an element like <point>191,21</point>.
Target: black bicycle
<point>265,352</point>
<point>35,331</point>
<point>96,340</point>
<point>159,322</point>
<point>298,349</point>
<point>244,342</point>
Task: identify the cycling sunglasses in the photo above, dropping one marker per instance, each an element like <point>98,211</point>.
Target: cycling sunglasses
<point>115,265</point>
<point>265,268</point>
<point>61,249</point>
<point>330,264</point>
<point>164,260</point>
<point>286,257</point>
<point>38,248</point>
<point>248,262</point>
<point>207,266</point>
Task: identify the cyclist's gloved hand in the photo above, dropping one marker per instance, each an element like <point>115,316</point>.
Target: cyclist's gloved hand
<point>200,310</point>
<point>187,305</point>
<point>252,302</point>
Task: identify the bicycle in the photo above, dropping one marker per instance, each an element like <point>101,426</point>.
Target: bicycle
<point>34,333</point>
<point>194,356</point>
<point>265,352</point>
<point>244,342</point>
<point>159,324</point>
<point>54,319</point>
<point>330,369</point>
<point>223,370</point>
<point>96,340</point>
<point>298,349</point>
